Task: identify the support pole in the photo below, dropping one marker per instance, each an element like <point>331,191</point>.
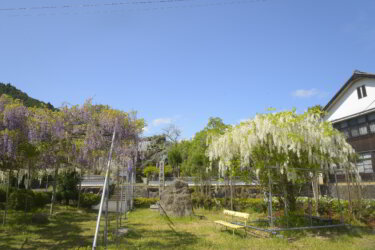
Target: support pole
<point>270,197</point>
<point>122,198</point>
<point>106,218</point>
<point>338,198</point>
<point>105,187</point>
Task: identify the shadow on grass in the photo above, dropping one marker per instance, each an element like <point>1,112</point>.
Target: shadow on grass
<point>332,233</point>
<point>62,232</point>
<point>158,239</point>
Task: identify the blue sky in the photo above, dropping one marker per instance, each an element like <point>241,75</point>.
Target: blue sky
<point>183,61</point>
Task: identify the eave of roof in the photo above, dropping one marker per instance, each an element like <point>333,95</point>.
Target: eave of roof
<point>357,75</point>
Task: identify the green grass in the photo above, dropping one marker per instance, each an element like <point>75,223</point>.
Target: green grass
<point>70,228</point>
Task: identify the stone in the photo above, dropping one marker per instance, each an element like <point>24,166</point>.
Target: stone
<point>175,200</point>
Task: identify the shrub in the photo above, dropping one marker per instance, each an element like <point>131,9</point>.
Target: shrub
<point>67,185</point>
<point>144,202</point>
<point>21,199</point>
<point>150,171</point>
<point>42,198</point>
<point>88,200</point>
<point>2,195</point>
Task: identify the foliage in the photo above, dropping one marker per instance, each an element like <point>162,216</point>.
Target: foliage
<point>22,200</point>
<point>144,202</point>
<point>239,204</point>
<point>15,93</point>
<point>287,140</point>
<point>150,171</point>
<point>42,198</point>
<point>67,185</point>
<point>190,154</point>
<point>168,170</point>
<point>2,195</point>
<point>174,157</point>
<point>88,199</point>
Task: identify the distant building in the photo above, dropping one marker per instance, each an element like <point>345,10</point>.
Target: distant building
<point>352,111</point>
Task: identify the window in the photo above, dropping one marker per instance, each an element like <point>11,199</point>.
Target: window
<point>355,132</point>
<point>364,164</point>
<point>352,122</point>
<point>343,124</point>
<point>361,119</point>
<point>361,91</point>
<point>364,91</point>
<point>371,117</point>
<point>372,127</point>
<point>346,133</point>
<point>363,130</point>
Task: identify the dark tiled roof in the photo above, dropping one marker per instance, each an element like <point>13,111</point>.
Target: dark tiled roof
<point>357,75</point>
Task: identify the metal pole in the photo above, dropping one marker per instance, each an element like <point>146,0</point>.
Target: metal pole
<point>104,191</point>
<point>270,197</point>
<point>122,197</point>
<point>106,218</point>
<point>338,197</point>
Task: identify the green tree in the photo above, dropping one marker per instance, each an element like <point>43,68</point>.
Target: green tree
<point>67,185</point>
<point>175,159</point>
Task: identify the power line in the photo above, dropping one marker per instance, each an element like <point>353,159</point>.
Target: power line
<point>113,4</point>
<point>139,3</point>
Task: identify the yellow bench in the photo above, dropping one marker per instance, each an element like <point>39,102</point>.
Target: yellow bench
<point>233,215</point>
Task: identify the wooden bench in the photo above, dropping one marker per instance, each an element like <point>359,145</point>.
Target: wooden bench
<point>243,217</point>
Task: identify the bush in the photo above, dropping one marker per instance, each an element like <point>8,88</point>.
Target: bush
<point>88,200</point>
<point>2,195</point>
<point>239,204</point>
<point>42,198</point>
<point>150,171</point>
<point>67,186</point>
<point>21,199</point>
<point>144,202</point>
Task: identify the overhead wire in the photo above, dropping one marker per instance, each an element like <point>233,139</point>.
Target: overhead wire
<point>154,6</point>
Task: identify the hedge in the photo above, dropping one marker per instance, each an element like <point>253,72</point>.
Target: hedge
<point>88,200</point>
<point>144,202</point>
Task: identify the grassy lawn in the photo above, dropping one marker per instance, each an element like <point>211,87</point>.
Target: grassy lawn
<point>70,228</point>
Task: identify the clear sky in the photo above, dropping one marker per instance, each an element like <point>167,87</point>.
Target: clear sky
<point>182,61</point>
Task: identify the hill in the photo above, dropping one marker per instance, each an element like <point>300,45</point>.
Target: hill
<point>28,101</point>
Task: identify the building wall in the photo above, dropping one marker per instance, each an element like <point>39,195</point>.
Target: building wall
<point>349,104</point>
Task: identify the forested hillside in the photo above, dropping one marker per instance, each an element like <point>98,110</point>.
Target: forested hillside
<point>18,94</point>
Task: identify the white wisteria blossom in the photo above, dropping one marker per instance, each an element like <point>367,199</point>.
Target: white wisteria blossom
<point>283,137</point>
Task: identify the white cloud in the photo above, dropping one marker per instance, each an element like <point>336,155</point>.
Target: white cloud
<point>161,121</point>
<point>146,129</point>
<point>306,93</point>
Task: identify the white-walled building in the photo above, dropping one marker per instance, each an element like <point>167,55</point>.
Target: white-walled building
<point>352,111</point>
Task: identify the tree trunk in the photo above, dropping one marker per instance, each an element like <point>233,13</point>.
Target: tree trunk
<point>284,183</point>
<point>28,176</point>
<point>47,182</point>
<point>18,183</point>
<point>315,188</point>
<point>7,200</point>
<point>231,193</point>
<point>54,191</point>
<point>79,189</point>
<point>349,194</point>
